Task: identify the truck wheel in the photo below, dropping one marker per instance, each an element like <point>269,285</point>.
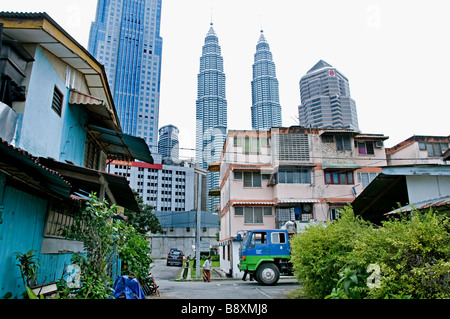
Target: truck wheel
<point>268,274</point>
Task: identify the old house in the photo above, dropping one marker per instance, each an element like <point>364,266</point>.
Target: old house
<point>58,129</point>
<point>418,149</point>
<point>298,174</point>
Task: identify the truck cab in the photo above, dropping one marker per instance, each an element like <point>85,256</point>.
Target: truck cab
<point>265,255</point>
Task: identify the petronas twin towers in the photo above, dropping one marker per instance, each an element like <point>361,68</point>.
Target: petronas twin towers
<point>266,108</point>
<point>211,105</point>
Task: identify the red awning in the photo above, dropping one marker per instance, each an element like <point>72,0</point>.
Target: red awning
<point>85,99</point>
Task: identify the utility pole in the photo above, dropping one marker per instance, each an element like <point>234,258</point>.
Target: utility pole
<point>197,234</point>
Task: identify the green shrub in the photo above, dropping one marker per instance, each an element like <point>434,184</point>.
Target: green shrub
<point>412,254</point>
<point>321,252</point>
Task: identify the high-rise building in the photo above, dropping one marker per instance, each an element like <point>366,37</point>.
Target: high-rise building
<point>326,100</point>
<point>211,110</point>
<point>168,145</point>
<point>266,108</point>
<point>125,38</point>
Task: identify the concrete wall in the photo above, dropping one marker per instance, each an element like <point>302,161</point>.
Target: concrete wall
<point>180,238</point>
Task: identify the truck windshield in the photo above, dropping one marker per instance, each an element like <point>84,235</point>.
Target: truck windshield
<point>245,241</point>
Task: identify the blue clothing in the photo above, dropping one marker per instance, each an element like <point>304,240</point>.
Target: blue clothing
<point>130,288</point>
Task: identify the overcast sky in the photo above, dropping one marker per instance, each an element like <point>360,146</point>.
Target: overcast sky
<point>394,53</point>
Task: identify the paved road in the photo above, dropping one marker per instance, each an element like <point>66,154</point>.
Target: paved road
<point>216,289</point>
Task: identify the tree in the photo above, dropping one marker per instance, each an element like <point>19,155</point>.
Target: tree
<point>144,221</point>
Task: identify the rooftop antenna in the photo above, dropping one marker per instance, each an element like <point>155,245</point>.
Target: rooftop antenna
<point>211,16</point>
<point>261,21</point>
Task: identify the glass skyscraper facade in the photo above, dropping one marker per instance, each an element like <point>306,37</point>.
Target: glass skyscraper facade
<point>125,38</point>
<point>211,111</point>
<point>168,145</point>
<point>266,108</point>
<point>326,100</point>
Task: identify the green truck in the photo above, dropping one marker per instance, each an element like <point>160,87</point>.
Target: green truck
<point>265,255</point>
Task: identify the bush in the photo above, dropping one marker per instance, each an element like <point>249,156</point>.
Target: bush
<point>102,237</point>
<point>321,252</point>
<point>134,252</point>
<point>412,254</point>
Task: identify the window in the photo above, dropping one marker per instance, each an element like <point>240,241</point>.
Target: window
<point>57,101</point>
<point>366,178</point>
<point>434,149</point>
<point>278,238</point>
<point>339,177</point>
<point>254,214</point>
<point>302,176</point>
<point>366,148</point>
<point>252,179</point>
<point>59,216</point>
<point>258,238</point>
<point>334,213</point>
<point>292,147</point>
<point>343,143</point>
<point>327,139</point>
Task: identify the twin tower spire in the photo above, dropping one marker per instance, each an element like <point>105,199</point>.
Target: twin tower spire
<point>211,104</point>
<point>266,108</point>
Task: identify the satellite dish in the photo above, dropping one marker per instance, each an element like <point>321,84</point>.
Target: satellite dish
<point>73,272</point>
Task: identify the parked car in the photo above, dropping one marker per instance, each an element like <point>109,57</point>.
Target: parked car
<point>175,256</point>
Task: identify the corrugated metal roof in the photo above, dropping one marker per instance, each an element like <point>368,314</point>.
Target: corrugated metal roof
<point>437,202</point>
<point>89,180</point>
<point>122,146</point>
<point>389,189</point>
<point>22,166</point>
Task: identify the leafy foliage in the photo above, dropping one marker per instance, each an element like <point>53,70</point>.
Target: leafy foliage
<point>412,253</point>
<point>351,285</point>
<point>134,251</point>
<point>96,228</point>
<point>144,221</point>
<point>28,264</point>
<point>321,252</point>
<point>103,235</point>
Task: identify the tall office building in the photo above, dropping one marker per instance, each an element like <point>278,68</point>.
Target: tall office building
<point>168,145</point>
<point>326,100</point>
<point>125,38</point>
<point>266,108</point>
<point>211,110</point>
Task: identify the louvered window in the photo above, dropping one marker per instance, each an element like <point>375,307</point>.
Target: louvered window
<point>293,147</point>
<point>57,101</point>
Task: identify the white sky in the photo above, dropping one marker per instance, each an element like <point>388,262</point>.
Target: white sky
<point>394,53</point>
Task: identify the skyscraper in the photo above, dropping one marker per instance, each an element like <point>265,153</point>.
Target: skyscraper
<point>266,108</point>
<point>211,110</point>
<point>326,100</point>
<point>125,38</point>
<point>168,145</point>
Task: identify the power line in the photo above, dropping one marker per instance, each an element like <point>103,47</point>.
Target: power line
<point>321,157</point>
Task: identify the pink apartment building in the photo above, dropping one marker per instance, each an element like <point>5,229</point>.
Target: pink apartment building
<point>289,174</point>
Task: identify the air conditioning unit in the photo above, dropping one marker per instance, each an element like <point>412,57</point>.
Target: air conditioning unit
<point>379,144</point>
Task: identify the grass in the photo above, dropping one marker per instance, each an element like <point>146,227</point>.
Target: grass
<point>193,270</point>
